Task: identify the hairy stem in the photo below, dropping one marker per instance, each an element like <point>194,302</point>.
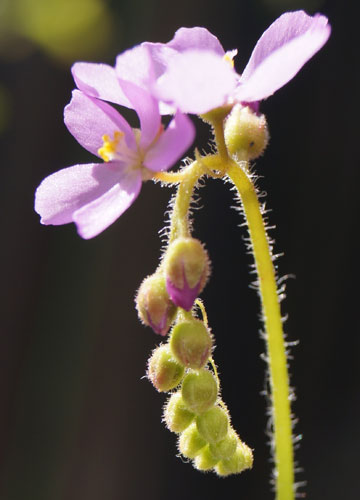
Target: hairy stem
<point>180,213</point>
<point>279,379</point>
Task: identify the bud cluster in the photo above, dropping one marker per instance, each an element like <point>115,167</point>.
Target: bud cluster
<point>195,411</point>
<point>202,423</point>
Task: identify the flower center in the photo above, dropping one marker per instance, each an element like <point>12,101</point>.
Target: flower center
<point>110,146</point>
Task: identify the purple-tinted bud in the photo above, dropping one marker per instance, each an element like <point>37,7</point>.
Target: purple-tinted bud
<point>186,266</point>
<point>155,309</point>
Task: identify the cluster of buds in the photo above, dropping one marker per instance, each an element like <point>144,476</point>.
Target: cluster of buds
<point>195,411</point>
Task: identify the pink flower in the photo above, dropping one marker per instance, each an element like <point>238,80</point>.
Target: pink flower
<point>96,194</point>
<point>193,73</point>
<point>196,75</point>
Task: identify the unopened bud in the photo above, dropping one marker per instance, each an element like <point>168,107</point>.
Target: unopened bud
<point>155,309</point>
<point>199,391</point>
<point>191,343</point>
<point>177,417</point>
<point>164,372</point>
<point>213,424</point>
<point>205,460</point>
<point>241,460</point>
<point>190,442</point>
<point>225,448</point>
<point>186,266</point>
<point>246,132</point>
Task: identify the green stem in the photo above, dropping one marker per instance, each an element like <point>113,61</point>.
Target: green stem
<point>180,213</point>
<point>279,379</point>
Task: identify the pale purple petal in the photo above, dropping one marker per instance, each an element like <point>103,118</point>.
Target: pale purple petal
<point>88,119</point>
<point>147,108</point>
<point>197,81</point>
<point>172,144</point>
<point>69,189</point>
<point>195,38</point>
<point>142,65</point>
<point>281,52</point>
<point>99,80</point>
<point>93,218</point>
<point>136,65</point>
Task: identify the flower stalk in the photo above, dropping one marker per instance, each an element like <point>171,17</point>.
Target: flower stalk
<point>274,337</point>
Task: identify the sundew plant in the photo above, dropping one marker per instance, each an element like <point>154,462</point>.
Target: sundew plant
<point>191,74</point>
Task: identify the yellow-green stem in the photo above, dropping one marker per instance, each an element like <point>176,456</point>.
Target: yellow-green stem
<point>279,379</point>
<point>180,213</point>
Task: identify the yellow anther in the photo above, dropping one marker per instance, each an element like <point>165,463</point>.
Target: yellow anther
<point>110,145</point>
<point>229,57</point>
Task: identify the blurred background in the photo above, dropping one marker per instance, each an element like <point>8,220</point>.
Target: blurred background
<point>77,418</point>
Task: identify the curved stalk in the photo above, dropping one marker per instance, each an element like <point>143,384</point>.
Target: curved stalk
<point>275,345</point>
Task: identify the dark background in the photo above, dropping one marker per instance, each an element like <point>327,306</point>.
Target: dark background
<point>77,419</point>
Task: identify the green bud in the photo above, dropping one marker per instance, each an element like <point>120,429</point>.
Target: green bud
<point>155,309</point>
<point>191,343</point>
<point>190,442</point>
<point>186,267</point>
<point>246,132</point>
<point>177,417</point>
<point>205,460</point>
<point>199,391</point>
<point>213,424</point>
<point>241,460</point>
<point>226,447</point>
<point>164,372</point>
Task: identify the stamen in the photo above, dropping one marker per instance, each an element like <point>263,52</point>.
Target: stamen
<point>229,57</point>
<point>109,147</point>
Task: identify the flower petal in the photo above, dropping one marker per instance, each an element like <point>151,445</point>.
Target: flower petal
<point>147,108</point>
<point>66,192</point>
<point>195,38</point>
<point>135,65</point>
<point>88,119</point>
<point>281,52</point>
<point>142,65</point>
<point>196,81</point>
<point>172,144</point>
<point>99,80</point>
<point>62,193</point>
<point>93,218</point>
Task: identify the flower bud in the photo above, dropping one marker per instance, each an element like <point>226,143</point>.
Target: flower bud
<point>191,343</point>
<point>164,372</point>
<point>213,424</point>
<point>190,442</point>
<point>226,447</point>
<point>246,132</point>
<point>187,268</point>
<point>153,304</point>
<point>177,417</point>
<point>199,391</point>
<point>205,460</point>
<point>241,460</point>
